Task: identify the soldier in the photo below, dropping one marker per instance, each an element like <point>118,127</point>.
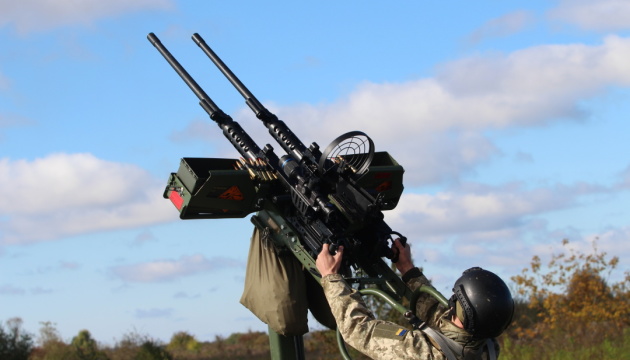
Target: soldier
<point>480,309</point>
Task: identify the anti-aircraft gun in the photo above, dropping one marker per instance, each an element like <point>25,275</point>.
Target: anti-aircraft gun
<point>302,199</point>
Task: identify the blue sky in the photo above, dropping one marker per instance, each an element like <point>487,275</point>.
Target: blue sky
<point>510,120</point>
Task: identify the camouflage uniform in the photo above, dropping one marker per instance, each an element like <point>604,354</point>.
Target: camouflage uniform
<point>385,340</point>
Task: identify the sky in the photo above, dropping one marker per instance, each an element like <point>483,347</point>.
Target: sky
<point>509,118</point>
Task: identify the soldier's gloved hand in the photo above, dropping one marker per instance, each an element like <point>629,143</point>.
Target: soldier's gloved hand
<point>329,264</point>
<point>404,262</point>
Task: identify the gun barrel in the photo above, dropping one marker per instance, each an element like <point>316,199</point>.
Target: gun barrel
<point>221,65</point>
<point>231,129</point>
<point>277,128</point>
<point>192,84</point>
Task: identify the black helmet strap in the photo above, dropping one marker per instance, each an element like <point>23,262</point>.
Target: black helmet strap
<point>464,302</point>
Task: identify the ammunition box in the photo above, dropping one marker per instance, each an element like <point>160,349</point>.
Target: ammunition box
<point>207,188</point>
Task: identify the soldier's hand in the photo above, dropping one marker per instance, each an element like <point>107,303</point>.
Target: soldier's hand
<point>404,262</point>
<point>327,263</point>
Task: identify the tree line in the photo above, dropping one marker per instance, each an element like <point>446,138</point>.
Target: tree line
<point>566,308</point>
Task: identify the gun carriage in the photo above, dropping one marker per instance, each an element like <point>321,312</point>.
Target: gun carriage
<point>301,199</point>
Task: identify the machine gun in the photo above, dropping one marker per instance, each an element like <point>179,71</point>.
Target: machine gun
<point>302,199</point>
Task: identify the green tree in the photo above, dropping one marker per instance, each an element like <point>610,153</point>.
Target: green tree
<point>86,347</point>
<point>15,344</point>
<point>183,342</point>
<point>151,350</point>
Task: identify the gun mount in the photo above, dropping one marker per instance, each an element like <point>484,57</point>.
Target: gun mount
<point>302,199</point>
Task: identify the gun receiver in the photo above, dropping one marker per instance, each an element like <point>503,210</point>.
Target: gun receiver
<point>302,199</point>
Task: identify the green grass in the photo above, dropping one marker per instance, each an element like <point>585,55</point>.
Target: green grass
<point>618,349</point>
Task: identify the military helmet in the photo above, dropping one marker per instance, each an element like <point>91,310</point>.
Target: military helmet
<point>483,302</point>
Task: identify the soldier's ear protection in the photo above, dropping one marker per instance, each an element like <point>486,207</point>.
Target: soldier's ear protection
<point>457,309</point>
<point>452,304</point>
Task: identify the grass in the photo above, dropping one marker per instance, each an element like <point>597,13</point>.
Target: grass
<point>609,349</point>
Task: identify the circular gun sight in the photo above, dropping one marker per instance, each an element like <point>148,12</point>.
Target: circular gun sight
<point>352,151</point>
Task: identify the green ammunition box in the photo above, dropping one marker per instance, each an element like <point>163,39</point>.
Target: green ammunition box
<point>207,188</point>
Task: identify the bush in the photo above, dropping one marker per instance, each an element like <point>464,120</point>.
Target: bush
<point>134,346</point>
<point>571,300</point>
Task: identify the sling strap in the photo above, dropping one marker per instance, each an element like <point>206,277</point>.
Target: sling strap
<point>449,347</point>
<point>492,354</point>
<point>442,341</point>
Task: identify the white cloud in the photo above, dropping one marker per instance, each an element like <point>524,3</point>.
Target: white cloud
<point>434,126</point>
<point>154,313</point>
<point>498,227</point>
<point>167,270</point>
<point>65,181</point>
<point>15,291</point>
<point>40,15</point>
<point>599,15</point>
<point>198,129</point>
<point>7,289</point>
<point>68,194</point>
<point>487,211</point>
<point>504,25</point>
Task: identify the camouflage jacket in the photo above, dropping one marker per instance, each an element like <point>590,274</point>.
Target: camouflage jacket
<point>385,340</point>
